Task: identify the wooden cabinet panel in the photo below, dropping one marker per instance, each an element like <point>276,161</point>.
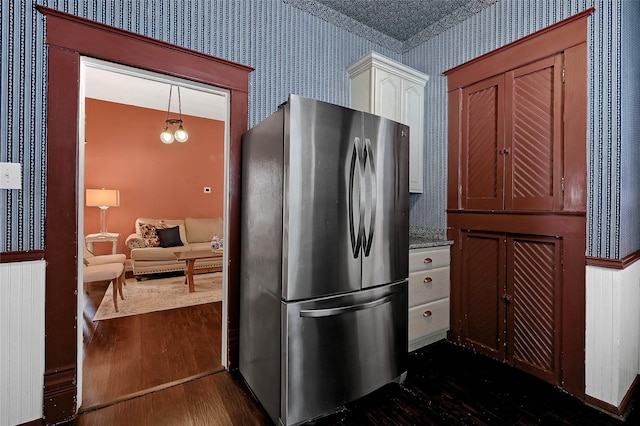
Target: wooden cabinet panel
<point>482,141</point>
<point>534,298</point>
<point>482,290</point>
<point>534,146</point>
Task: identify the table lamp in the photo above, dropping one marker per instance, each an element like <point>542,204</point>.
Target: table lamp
<point>103,198</point>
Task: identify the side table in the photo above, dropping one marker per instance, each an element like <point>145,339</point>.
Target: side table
<point>111,237</point>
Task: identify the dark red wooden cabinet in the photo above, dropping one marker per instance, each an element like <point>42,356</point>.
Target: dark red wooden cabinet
<point>517,203</point>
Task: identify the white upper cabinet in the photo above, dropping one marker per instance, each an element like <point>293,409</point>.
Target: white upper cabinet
<point>385,87</point>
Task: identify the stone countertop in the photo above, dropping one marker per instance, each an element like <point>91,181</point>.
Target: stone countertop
<point>422,241</point>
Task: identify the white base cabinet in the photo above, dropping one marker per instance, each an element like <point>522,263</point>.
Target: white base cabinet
<point>385,87</point>
<point>429,290</point>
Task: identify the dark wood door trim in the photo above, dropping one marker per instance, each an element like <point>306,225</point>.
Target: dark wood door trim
<point>68,38</point>
<point>545,42</point>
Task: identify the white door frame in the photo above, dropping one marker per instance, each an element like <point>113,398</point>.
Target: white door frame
<point>87,62</point>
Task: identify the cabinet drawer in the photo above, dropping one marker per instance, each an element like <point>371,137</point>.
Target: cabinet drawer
<point>428,319</point>
<point>420,259</point>
<point>427,286</point>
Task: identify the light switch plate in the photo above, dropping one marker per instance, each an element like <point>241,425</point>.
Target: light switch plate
<point>10,176</point>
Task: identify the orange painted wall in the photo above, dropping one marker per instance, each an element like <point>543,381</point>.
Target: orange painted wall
<point>123,151</point>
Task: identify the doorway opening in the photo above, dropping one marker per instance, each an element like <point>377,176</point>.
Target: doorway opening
<point>129,356</point>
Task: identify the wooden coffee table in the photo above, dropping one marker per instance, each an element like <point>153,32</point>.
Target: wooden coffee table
<point>191,256</point>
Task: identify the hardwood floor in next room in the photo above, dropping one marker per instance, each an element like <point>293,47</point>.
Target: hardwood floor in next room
<point>124,357</point>
<point>446,385</point>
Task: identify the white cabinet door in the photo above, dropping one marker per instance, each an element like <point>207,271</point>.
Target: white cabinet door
<point>388,96</point>
<point>392,90</point>
<point>413,115</point>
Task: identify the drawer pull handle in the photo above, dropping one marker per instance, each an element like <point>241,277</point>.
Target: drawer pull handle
<point>426,314</point>
<point>427,280</point>
<point>428,260</point>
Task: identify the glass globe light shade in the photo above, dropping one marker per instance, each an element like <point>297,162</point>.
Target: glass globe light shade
<point>166,136</point>
<point>181,134</point>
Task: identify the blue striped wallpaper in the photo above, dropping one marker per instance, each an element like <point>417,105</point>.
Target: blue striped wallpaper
<point>630,129</point>
<point>507,21</point>
<point>297,48</point>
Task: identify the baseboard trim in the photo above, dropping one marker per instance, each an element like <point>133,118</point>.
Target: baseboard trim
<point>621,411</point>
<point>21,256</point>
<point>36,422</point>
<point>614,263</point>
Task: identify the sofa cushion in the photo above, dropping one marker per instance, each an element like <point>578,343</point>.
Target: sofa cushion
<point>149,233</point>
<point>203,230</point>
<point>157,253</point>
<point>169,237</point>
<point>166,223</point>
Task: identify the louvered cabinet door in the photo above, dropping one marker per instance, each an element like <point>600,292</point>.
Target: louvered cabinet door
<point>533,301</point>
<point>483,278</point>
<point>482,165</point>
<point>533,126</point>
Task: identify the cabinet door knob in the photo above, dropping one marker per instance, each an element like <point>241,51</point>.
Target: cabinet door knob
<point>427,280</point>
<point>426,314</point>
<point>428,260</point>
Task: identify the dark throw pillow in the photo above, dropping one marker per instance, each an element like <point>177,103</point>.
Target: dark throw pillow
<point>169,237</point>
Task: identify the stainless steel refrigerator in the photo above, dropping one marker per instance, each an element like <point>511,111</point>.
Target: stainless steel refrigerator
<point>324,263</point>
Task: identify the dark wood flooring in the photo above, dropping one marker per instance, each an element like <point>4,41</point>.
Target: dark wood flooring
<point>446,385</point>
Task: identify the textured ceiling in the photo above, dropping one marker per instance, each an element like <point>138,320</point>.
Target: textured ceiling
<point>400,19</point>
<point>398,24</point>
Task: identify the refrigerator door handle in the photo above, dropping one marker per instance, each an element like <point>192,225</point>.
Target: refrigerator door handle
<point>319,313</point>
<point>356,241</point>
<point>374,195</point>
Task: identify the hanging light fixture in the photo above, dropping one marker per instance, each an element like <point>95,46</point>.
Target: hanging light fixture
<point>180,134</point>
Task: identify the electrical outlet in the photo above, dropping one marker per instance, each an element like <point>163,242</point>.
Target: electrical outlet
<point>207,190</point>
<point>10,175</point>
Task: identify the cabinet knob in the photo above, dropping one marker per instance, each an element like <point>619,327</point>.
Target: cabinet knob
<point>427,280</point>
<point>428,260</point>
<point>426,314</point>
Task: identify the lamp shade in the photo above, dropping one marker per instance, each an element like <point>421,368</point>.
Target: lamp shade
<point>102,198</point>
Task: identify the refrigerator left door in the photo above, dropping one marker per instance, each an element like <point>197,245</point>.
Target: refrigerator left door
<point>321,199</point>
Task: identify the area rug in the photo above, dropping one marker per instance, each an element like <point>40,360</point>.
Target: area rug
<point>159,294</point>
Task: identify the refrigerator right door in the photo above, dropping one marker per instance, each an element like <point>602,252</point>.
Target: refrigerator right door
<point>386,188</point>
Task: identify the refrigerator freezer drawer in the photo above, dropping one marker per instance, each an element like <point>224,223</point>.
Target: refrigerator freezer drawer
<point>428,319</point>
<point>427,286</point>
<point>338,349</point>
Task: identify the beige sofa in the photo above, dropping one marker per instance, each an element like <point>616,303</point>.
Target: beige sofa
<point>155,242</point>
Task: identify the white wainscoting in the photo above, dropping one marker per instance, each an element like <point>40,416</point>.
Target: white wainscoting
<point>612,358</point>
<point>22,286</point>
